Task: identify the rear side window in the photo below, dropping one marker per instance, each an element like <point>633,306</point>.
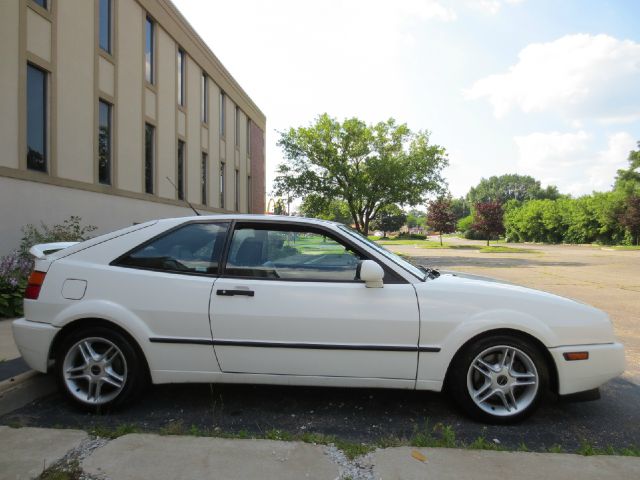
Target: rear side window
<point>194,248</point>
<point>284,254</point>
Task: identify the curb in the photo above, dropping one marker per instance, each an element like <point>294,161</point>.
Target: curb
<point>25,388</point>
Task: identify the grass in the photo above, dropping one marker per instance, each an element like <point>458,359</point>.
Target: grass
<point>436,245</point>
<point>57,472</point>
<point>623,247</point>
<point>438,436</point>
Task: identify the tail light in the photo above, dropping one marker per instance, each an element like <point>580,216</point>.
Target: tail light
<point>34,284</point>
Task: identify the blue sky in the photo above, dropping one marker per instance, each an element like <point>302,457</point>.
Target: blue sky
<point>539,87</point>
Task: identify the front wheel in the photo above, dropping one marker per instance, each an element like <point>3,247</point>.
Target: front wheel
<point>99,368</point>
<point>499,379</point>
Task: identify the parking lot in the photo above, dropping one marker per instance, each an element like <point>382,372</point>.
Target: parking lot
<point>606,279</point>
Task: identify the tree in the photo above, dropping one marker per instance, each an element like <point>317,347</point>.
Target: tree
<point>510,187</point>
<point>630,218</point>
<point>366,166</point>
<point>461,208</point>
<point>440,216</point>
<point>488,219</point>
<point>629,180</point>
<point>390,219</point>
<point>415,218</point>
<point>319,207</point>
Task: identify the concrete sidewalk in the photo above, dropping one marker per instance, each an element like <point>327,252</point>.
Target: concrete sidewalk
<point>25,452</point>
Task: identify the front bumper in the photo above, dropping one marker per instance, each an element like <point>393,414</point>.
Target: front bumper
<point>606,361</point>
<point>33,339</point>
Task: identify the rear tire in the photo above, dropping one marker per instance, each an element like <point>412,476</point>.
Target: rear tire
<point>499,379</point>
<point>99,368</point>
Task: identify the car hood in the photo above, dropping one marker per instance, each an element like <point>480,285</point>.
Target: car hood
<point>460,300</point>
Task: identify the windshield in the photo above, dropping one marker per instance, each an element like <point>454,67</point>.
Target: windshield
<point>402,263</point>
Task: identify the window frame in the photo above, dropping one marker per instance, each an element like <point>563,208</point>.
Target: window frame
<point>204,178</point>
<point>390,277</point>
<point>222,174</point>
<point>204,100</point>
<point>181,170</point>
<point>150,77</point>
<point>181,82</point>
<point>223,112</point>
<point>109,47</point>
<point>46,133</point>
<point>109,105</point>
<point>117,262</point>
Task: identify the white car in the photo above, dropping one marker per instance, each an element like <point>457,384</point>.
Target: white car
<point>293,301</point>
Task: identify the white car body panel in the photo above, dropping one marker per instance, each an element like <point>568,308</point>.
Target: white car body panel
<point>437,316</point>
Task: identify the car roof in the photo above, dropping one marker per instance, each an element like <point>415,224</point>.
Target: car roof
<point>249,216</point>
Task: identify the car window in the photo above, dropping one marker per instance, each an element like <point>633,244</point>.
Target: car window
<point>290,255</point>
<point>194,248</point>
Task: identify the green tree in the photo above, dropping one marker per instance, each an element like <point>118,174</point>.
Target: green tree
<point>440,216</point>
<point>415,218</point>
<point>628,180</point>
<point>390,219</point>
<point>510,187</point>
<point>488,219</point>
<point>366,166</point>
<point>461,208</point>
<point>318,207</point>
<point>630,217</point>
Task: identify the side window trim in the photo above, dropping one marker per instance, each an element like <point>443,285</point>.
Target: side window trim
<point>390,276</point>
<point>117,262</point>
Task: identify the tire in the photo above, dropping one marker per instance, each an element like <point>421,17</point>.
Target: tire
<point>491,387</point>
<point>99,368</point>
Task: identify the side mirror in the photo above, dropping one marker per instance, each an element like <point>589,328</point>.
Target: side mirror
<point>371,273</point>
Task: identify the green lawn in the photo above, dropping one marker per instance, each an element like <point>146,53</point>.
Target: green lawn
<point>430,244</point>
<point>624,247</point>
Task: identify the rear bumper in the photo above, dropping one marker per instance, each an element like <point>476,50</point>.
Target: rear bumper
<point>606,361</point>
<point>33,340</point>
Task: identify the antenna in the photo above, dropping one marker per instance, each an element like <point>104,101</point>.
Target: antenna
<point>186,201</point>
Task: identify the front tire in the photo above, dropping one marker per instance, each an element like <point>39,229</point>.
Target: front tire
<point>99,368</point>
<point>499,379</point>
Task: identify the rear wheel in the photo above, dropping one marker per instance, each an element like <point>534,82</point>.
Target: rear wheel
<point>99,368</point>
<point>499,379</point>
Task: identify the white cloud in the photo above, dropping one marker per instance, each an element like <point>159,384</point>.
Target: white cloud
<point>569,161</point>
<point>491,7</point>
<point>578,76</point>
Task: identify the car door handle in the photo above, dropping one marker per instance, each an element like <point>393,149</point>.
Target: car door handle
<point>231,293</point>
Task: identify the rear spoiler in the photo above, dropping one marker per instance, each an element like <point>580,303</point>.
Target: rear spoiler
<point>43,249</point>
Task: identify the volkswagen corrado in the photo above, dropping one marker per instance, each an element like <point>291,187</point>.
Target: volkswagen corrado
<point>294,301</point>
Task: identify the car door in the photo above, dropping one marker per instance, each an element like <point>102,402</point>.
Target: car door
<point>167,282</point>
<point>289,303</point>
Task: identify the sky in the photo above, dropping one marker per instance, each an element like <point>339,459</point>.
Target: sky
<point>548,88</point>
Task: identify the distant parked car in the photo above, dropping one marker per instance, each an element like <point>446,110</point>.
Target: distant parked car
<point>293,301</point>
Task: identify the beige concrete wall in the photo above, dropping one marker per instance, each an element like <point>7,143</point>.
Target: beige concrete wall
<point>194,150</point>
<point>38,35</point>
<point>128,112</point>
<point>9,53</point>
<point>75,90</point>
<point>167,147</point>
<point>51,204</point>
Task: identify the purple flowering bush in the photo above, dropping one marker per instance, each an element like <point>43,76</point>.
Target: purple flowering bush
<point>16,267</point>
<point>14,272</point>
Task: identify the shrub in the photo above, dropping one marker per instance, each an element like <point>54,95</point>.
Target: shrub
<point>411,236</point>
<point>14,271</point>
<point>16,267</point>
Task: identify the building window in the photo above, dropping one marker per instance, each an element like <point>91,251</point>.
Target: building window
<point>149,54</point>
<point>149,156</point>
<point>203,177</point>
<point>105,24</point>
<point>204,99</point>
<point>222,113</point>
<point>182,60</point>
<point>237,192</point>
<point>36,119</point>
<point>181,176</point>
<point>222,182</point>
<point>249,194</point>
<point>237,127</point>
<point>104,142</point>
<point>248,137</point>
<point>42,3</point>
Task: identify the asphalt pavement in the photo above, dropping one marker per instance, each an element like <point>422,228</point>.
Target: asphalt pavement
<point>357,415</point>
